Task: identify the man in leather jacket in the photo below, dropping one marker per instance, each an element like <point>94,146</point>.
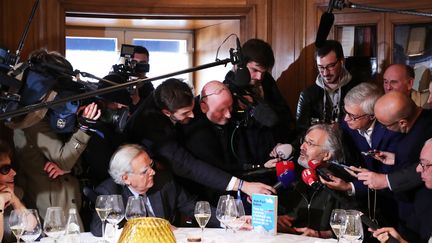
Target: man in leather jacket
<point>323,100</point>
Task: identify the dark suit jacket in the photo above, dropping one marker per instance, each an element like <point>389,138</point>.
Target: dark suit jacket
<point>166,198</point>
<point>382,140</point>
<point>404,177</point>
<point>151,128</point>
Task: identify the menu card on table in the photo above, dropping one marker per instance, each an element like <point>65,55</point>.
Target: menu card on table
<point>264,213</point>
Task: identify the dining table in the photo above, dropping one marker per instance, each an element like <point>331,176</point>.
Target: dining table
<point>213,235</point>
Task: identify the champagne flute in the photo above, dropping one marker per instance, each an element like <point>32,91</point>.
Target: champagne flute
<point>135,207</point>
<point>353,226</point>
<point>202,213</point>
<point>103,208</point>
<point>55,223</point>
<point>337,222</point>
<point>223,213</point>
<point>117,210</point>
<point>33,228</point>
<point>16,223</point>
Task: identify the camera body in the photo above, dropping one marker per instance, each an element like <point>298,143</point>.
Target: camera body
<point>130,68</point>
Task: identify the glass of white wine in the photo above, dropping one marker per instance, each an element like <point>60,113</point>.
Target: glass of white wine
<point>337,222</point>
<point>17,223</point>
<point>33,228</point>
<point>103,209</point>
<point>55,223</point>
<point>202,213</point>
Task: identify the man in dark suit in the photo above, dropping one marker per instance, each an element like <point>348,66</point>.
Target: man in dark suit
<point>423,207</point>
<point>155,125</point>
<point>398,113</point>
<point>132,175</point>
<point>367,134</point>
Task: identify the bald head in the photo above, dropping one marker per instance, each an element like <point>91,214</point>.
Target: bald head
<point>393,107</point>
<point>399,77</point>
<point>216,102</point>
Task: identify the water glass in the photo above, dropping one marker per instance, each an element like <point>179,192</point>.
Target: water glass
<point>353,227</point>
<point>32,228</point>
<point>55,223</point>
<point>135,207</point>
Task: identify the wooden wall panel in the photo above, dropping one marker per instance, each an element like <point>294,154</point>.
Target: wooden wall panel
<point>207,41</point>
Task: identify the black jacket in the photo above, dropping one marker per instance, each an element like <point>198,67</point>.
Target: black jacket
<point>154,130</point>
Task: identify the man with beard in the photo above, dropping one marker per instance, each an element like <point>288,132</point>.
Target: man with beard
<point>323,100</point>
<point>308,209</point>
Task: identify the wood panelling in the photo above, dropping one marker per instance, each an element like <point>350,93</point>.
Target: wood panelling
<point>288,25</point>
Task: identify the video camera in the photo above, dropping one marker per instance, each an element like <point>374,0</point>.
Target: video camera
<point>131,67</point>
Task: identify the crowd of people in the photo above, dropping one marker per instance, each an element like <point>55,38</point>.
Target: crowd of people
<point>177,148</point>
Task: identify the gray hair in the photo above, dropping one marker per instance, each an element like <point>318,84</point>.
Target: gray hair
<point>364,94</point>
<point>333,143</point>
<point>121,160</point>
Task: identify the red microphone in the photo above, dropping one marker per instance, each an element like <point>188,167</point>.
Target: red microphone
<point>320,169</point>
<point>310,178</point>
<point>283,166</point>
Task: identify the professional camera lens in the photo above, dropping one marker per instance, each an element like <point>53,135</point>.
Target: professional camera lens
<point>117,118</point>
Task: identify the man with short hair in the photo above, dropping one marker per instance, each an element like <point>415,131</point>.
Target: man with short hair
<point>252,81</point>
<point>132,174</point>
<point>367,134</point>
<point>155,125</point>
<point>399,77</point>
<point>323,100</point>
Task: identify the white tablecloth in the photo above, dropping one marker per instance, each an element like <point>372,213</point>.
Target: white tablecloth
<point>220,236</point>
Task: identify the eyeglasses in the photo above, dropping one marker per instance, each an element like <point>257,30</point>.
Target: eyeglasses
<point>217,92</point>
<point>5,169</point>
<point>424,166</point>
<point>355,117</point>
<point>329,67</point>
<point>309,143</point>
<point>146,169</point>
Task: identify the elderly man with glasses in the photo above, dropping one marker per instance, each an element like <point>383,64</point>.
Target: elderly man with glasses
<point>323,100</point>
<point>367,135</point>
<point>132,174</point>
<point>423,209</point>
<point>398,113</point>
<point>308,208</point>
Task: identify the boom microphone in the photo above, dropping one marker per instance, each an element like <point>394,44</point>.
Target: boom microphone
<point>242,75</point>
<point>325,25</point>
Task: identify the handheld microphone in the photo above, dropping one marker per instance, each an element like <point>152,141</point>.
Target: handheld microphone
<point>284,151</point>
<point>325,25</point>
<point>280,168</point>
<point>310,178</point>
<point>320,170</point>
<point>285,179</point>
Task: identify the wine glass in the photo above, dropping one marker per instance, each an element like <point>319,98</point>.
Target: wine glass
<point>17,223</point>
<point>55,223</point>
<point>103,208</point>
<point>202,213</point>
<point>337,222</point>
<point>237,209</point>
<point>135,207</point>
<point>224,212</point>
<point>117,210</point>
<point>353,226</point>
<point>33,228</point>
